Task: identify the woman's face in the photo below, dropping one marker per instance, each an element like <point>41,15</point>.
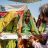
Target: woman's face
<point>28,17</point>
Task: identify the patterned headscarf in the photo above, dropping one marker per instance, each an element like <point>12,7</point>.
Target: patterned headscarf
<point>27,13</point>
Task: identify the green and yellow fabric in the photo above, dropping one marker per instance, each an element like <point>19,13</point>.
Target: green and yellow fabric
<point>12,43</point>
<point>0,45</point>
<point>8,43</point>
<point>31,25</point>
<point>6,20</point>
<point>42,27</point>
<point>11,27</point>
<point>26,28</point>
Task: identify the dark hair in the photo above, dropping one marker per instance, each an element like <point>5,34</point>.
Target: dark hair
<point>39,21</point>
<point>25,14</point>
<point>44,10</point>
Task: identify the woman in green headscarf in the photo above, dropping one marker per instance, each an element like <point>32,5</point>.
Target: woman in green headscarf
<point>28,27</point>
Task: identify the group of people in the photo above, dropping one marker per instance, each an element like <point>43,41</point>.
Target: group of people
<point>26,24</point>
<point>39,30</point>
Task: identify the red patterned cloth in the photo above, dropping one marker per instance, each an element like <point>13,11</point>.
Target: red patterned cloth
<point>3,13</point>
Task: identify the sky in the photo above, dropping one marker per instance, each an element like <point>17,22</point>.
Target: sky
<point>34,7</point>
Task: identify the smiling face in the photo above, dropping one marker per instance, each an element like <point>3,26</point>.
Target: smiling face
<point>28,16</point>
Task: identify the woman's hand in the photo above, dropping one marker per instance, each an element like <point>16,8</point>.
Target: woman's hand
<point>31,38</point>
